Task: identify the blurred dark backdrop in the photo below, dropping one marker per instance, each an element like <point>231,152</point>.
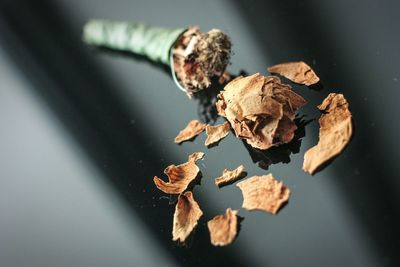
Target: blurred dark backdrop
<point>83,133</point>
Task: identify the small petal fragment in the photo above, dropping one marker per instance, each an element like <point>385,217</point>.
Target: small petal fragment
<point>335,132</point>
<point>179,176</point>
<point>216,133</point>
<point>193,129</point>
<point>223,228</point>
<point>229,176</point>
<point>298,72</point>
<point>263,193</point>
<point>187,213</point>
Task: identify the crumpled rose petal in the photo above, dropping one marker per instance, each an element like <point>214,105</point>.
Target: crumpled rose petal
<point>187,213</point>
<point>298,72</point>
<point>260,109</point>
<point>179,176</point>
<point>193,129</point>
<point>335,132</point>
<point>229,177</point>
<point>216,133</point>
<point>263,193</point>
<point>223,228</point>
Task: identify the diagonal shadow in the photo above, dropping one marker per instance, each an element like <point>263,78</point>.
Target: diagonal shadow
<point>80,94</point>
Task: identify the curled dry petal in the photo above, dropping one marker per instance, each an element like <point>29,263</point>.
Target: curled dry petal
<point>298,72</point>
<point>260,109</point>
<point>223,228</point>
<point>263,193</point>
<point>196,156</point>
<point>180,176</point>
<point>335,132</point>
<point>187,213</point>
<point>216,133</point>
<point>193,129</point>
<point>229,176</point>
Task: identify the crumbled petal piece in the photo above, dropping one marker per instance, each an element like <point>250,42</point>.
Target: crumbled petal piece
<point>263,193</point>
<point>216,133</point>
<point>229,176</point>
<point>260,109</point>
<point>335,132</point>
<point>223,228</point>
<point>193,129</point>
<point>195,156</point>
<point>179,176</point>
<point>298,72</point>
<point>187,213</point>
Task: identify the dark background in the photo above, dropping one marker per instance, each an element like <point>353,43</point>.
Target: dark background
<point>83,133</point>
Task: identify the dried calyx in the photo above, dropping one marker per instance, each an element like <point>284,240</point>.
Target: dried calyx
<point>199,57</point>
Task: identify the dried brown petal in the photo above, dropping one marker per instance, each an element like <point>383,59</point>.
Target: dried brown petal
<point>260,109</point>
<point>193,129</point>
<point>229,176</point>
<point>195,156</point>
<point>334,134</point>
<point>180,176</point>
<point>298,72</point>
<point>187,213</point>
<point>216,133</point>
<point>263,193</point>
<point>223,228</point>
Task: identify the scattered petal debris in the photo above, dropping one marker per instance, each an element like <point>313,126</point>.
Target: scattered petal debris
<point>229,176</point>
<point>263,193</point>
<point>260,109</point>
<point>216,133</point>
<point>334,134</point>
<point>187,213</point>
<point>298,72</point>
<point>223,228</point>
<point>179,176</point>
<point>193,129</point>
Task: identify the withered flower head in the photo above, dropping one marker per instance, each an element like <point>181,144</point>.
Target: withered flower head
<point>198,57</point>
<point>260,109</point>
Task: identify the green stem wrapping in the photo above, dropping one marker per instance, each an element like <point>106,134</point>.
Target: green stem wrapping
<point>152,42</point>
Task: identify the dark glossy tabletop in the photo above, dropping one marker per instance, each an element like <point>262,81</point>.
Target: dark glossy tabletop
<point>84,131</point>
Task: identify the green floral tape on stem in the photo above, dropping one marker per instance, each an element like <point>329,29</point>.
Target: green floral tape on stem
<point>152,42</point>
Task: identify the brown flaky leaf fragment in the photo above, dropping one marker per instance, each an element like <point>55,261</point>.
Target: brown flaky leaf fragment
<point>298,72</point>
<point>223,228</point>
<point>229,176</point>
<point>179,176</point>
<point>263,193</point>
<point>193,129</point>
<point>187,213</point>
<point>260,109</point>
<point>335,132</point>
<point>216,133</point>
